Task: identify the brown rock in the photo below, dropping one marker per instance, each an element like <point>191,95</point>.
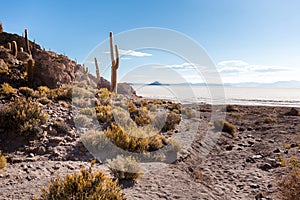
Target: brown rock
<point>293,112</point>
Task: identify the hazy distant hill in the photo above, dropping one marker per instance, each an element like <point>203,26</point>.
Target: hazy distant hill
<point>284,84</point>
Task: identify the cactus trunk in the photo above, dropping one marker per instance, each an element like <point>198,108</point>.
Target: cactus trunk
<point>14,48</point>
<point>9,45</point>
<point>97,73</point>
<point>30,68</point>
<point>114,64</point>
<point>27,44</point>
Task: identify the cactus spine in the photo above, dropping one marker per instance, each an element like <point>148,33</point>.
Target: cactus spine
<point>27,44</point>
<point>9,45</point>
<point>114,64</point>
<point>97,73</point>
<point>30,67</point>
<point>14,48</point>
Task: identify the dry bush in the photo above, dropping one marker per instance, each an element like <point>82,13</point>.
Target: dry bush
<point>104,113</point>
<point>232,108</point>
<point>235,115</point>
<point>137,141</point>
<point>28,92</point>
<point>44,100</point>
<point>289,186</point>
<point>225,126</point>
<point>188,113</point>
<point>86,111</point>
<point>82,121</point>
<point>140,116</point>
<point>7,90</point>
<point>61,127</point>
<point>63,93</point>
<point>125,168</point>
<point>270,120</point>
<point>171,122</point>
<point>83,185</point>
<point>24,116</point>
<point>2,161</point>
<point>44,90</point>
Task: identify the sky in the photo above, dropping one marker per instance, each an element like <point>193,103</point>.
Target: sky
<point>248,40</point>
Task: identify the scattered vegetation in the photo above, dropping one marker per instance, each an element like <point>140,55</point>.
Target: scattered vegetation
<point>232,108</point>
<point>23,116</point>
<point>44,100</point>
<point>289,184</point>
<point>125,168</point>
<point>28,92</point>
<point>83,185</point>
<point>225,126</point>
<point>2,161</point>
<point>7,90</point>
<point>270,120</point>
<point>171,122</point>
<point>188,113</point>
<point>61,127</point>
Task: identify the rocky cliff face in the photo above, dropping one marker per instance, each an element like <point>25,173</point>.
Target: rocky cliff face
<point>50,69</point>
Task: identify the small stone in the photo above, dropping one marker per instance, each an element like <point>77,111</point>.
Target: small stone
<point>250,160</point>
<point>266,167</point>
<point>276,150</point>
<point>293,145</point>
<point>260,196</point>
<point>257,156</point>
<point>286,151</point>
<point>254,186</point>
<point>229,147</point>
<point>41,150</point>
<point>31,155</point>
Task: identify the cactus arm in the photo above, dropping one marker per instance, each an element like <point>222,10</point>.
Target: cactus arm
<point>117,57</point>
<point>111,49</point>
<point>27,44</point>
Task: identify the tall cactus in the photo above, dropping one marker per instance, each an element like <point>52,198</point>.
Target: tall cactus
<point>97,73</point>
<point>30,68</point>
<point>9,45</point>
<point>14,48</point>
<point>114,64</point>
<point>27,44</point>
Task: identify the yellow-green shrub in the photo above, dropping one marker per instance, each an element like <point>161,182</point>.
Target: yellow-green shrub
<point>225,126</point>
<point>171,122</point>
<point>28,92</point>
<point>23,116</point>
<point>2,161</point>
<point>64,93</point>
<point>7,90</point>
<point>44,90</point>
<point>44,100</point>
<point>104,113</point>
<point>289,185</point>
<point>125,168</point>
<point>83,185</point>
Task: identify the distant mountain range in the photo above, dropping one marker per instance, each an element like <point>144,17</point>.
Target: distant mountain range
<point>284,84</point>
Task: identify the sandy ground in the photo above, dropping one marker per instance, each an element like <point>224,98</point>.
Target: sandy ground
<point>219,167</point>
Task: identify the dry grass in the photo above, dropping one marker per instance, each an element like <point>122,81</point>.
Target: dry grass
<point>83,185</point>
<point>125,168</point>
<point>289,186</point>
<point>7,90</point>
<point>24,116</point>
<point>225,126</point>
<point>2,161</point>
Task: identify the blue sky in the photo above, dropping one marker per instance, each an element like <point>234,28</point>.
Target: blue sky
<point>248,40</point>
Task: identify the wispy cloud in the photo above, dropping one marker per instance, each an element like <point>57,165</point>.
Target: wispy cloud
<point>240,66</point>
<point>133,53</point>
